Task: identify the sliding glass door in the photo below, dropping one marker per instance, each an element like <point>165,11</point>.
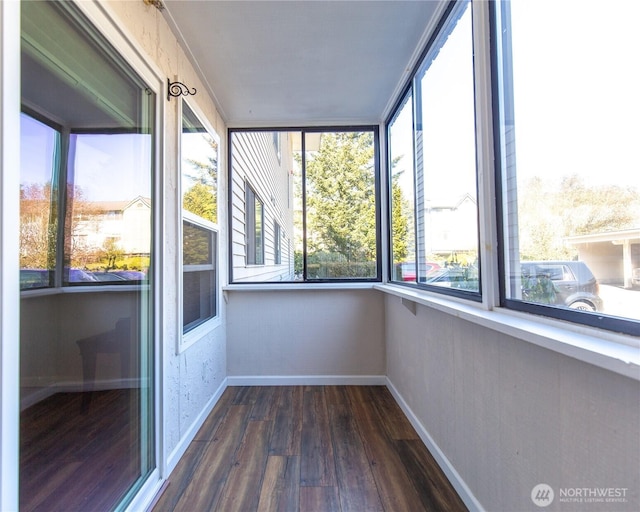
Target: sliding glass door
<point>86,254</point>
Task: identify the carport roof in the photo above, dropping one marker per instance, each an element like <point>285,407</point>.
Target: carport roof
<point>615,237</point>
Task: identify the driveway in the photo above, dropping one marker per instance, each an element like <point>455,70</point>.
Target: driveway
<point>620,302</point>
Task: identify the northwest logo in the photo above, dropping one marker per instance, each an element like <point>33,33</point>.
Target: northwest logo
<point>542,495</point>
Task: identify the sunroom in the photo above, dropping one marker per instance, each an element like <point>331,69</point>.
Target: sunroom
<point>439,199</point>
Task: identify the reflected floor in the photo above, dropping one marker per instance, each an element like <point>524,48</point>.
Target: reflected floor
<point>70,461</point>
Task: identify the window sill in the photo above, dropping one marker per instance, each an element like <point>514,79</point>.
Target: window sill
<point>283,286</point>
<point>43,292</point>
<point>611,351</point>
<point>197,333</point>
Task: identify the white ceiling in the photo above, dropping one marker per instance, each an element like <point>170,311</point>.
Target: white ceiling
<point>300,63</point>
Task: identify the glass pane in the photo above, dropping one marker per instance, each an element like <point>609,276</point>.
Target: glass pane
<point>570,160</point>
<point>258,233</point>
<point>403,239</point>
<point>277,244</point>
<point>446,192</point>
<point>197,248</point>
<point>40,146</point>
<point>86,359</point>
<point>262,193</point>
<point>199,298</point>
<point>199,167</point>
<point>340,205</point>
<point>109,198</point>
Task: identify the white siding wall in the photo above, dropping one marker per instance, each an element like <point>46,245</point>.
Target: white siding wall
<point>255,162</point>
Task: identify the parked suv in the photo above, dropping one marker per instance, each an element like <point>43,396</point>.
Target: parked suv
<point>565,283</point>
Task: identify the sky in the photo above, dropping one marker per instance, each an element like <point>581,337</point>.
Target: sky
<point>577,83</point>
<point>576,79</point>
<point>107,167</point>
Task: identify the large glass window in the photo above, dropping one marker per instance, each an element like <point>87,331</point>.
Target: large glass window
<point>199,184</point>
<point>434,210</point>
<point>86,221</point>
<point>569,160</point>
<point>320,188</point>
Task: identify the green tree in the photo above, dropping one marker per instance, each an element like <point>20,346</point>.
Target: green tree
<point>111,252</point>
<point>550,212</point>
<point>341,204</point>
<point>201,197</point>
<point>596,209</point>
<point>38,226</point>
<point>401,221</point>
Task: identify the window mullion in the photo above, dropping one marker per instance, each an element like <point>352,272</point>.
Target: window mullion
<point>61,179</point>
<point>303,147</point>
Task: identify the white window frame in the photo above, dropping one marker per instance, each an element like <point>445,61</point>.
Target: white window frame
<point>192,336</point>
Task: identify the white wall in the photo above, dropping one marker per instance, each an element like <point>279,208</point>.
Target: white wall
<point>509,415</point>
<point>306,332</point>
<point>191,378</point>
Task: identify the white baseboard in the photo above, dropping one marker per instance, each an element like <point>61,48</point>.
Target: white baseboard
<point>454,477</point>
<point>177,453</point>
<point>307,380</point>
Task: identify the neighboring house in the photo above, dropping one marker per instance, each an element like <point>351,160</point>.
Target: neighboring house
<point>452,228</point>
<point>118,221</point>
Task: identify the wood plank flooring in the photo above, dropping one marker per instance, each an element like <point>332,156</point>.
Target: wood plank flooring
<point>309,449</point>
<point>75,462</point>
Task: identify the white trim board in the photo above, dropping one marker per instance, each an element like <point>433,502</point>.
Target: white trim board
<point>307,380</point>
<point>454,477</point>
<point>177,453</point>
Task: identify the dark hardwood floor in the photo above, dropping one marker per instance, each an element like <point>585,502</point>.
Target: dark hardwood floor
<point>75,461</point>
<point>316,448</point>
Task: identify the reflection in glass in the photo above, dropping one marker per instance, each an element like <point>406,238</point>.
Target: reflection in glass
<point>446,196</point>
<point>40,148</point>
<point>403,241</point>
<point>86,359</point>
<point>199,275</point>
<point>258,232</point>
<point>196,245</point>
<point>199,167</point>
<point>199,171</point>
<point>108,198</point>
<point>569,160</point>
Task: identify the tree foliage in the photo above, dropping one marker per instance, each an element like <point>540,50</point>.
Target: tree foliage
<point>548,214</point>
<point>341,203</point>
<point>402,221</point>
<point>38,226</point>
<point>201,197</point>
